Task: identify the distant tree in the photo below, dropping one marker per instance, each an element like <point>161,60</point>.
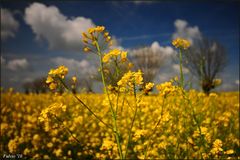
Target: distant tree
<point>36,86</point>
<point>87,83</point>
<point>39,85</point>
<point>206,59</point>
<point>148,61</point>
<point>83,82</point>
<point>27,86</point>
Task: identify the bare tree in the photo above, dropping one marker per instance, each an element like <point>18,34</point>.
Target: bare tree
<point>87,83</point>
<point>206,59</point>
<point>148,61</point>
<point>27,86</point>
<point>36,86</point>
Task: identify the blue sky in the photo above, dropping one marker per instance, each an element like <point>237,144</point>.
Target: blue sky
<point>133,24</point>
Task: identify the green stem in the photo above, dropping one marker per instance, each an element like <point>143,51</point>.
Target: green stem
<point>69,131</point>
<point>181,72</point>
<point>196,121</point>
<point>66,87</point>
<point>111,107</point>
<point>132,123</point>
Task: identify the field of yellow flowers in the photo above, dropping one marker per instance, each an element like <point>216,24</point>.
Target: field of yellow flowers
<point>126,121</point>
<point>176,135</point>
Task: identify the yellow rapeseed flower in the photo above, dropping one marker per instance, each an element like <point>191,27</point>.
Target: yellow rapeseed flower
<point>139,133</point>
<point>107,144</point>
<point>217,82</point>
<point>99,28</point>
<point>84,35</point>
<point>231,151</point>
<point>106,58</point>
<point>86,49</point>
<point>166,88</point>
<point>123,56</point>
<point>49,80</point>
<point>149,86</point>
<point>181,43</point>
<point>61,71</point>
<point>115,52</point>
<point>106,34</point>
<point>108,38</point>
<point>74,79</point>
<point>130,78</point>
<point>91,30</point>
<point>52,86</point>
<point>217,147</point>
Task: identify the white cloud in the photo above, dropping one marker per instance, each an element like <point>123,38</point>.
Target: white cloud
<point>17,64</point>
<point>3,61</point>
<point>176,67</point>
<point>185,31</point>
<point>116,43</point>
<point>82,66</point>
<point>9,25</point>
<point>237,82</point>
<point>166,51</point>
<point>164,76</point>
<point>50,24</point>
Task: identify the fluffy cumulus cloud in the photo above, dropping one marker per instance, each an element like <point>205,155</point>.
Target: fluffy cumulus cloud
<point>176,67</point>
<point>83,66</point>
<point>9,25</point>
<point>183,30</point>
<point>169,69</point>
<point>61,32</point>
<point>237,82</point>
<point>166,51</point>
<point>17,64</point>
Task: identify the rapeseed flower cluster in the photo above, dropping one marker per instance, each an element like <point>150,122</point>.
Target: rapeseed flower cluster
<point>114,54</point>
<point>91,37</point>
<point>54,109</point>
<point>131,80</point>
<point>22,132</point>
<point>139,133</point>
<point>181,43</point>
<point>217,147</point>
<point>54,75</point>
<point>118,125</point>
<point>167,88</point>
<point>217,82</point>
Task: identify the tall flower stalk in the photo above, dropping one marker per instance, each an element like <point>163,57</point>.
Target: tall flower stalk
<point>181,44</point>
<point>96,41</point>
<point>181,70</point>
<point>93,36</point>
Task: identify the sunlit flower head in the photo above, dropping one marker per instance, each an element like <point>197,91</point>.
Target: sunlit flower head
<point>54,75</point>
<point>149,86</point>
<point>91,38</point>
<point>130,79</point>
<point>74,79</point>
<point>181,43</point>
<point>115,53</point>
<point>61,71</point>
<point>217,82</point>
<point>166,88</point>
